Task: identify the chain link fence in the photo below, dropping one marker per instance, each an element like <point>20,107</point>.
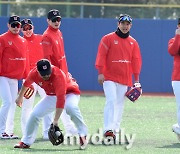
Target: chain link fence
<point>89,10</point>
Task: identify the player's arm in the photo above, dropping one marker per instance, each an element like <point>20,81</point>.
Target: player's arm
<point>101,78</point>
<point>101,58</point>
<point>60,86</point>
<point>57,115</point>
<point>19,99</point>
<point>47,47</point>
<point>26,84</point>
<point>27,69</point>
<point>136,62</point>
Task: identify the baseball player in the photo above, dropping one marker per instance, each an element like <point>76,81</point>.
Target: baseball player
<point>53,47</point>
<point>35,54</point>
<point>53,81</point>
<point>13,66</point>
<point>174,50</point>
<point>118,58</point>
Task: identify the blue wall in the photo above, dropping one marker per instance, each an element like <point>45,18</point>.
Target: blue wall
<point>82,37</point>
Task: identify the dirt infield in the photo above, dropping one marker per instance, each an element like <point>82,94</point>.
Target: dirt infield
<point>100,93</point>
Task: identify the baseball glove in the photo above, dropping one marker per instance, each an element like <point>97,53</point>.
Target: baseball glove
<point>29,92</point>
<point>55,135</point>
<point>134,93</point>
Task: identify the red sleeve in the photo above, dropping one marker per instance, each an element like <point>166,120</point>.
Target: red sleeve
<point>60,101</point>
<point>136,61</point>
<point>59,83</point>
<point>27,69</point>
<point>47,47</point>
<point>101,55</point>
<point>72,86</point>
<point>30,78</point>
<point>174,45</point>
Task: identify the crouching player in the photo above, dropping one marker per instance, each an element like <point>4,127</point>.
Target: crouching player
<point>53,81</point>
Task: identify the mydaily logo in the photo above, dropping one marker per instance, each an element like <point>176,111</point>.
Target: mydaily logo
<point>122,138</point>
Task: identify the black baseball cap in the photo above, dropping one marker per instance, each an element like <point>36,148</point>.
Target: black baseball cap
<point>26,21</point>
<point>125,17</point>
<point>14,19</point>
<point>44,67</point>
<point>53,14</point>
<point>178,21</point>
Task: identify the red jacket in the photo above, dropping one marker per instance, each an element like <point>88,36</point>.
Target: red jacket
<point>119,58</point>
<point>53,47</point>
<point>35,49</point>
<point>72,86</point>
<point>14,58</point>
<point>174,50</point>
<point>55,86</point>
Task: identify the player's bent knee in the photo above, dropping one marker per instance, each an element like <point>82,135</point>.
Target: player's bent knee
<point>72,110</point>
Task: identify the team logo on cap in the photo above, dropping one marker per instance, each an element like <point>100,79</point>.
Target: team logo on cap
<point>44,67</point>
<point>26,21</point>
<point>15,18</point>
<point>55,12</point>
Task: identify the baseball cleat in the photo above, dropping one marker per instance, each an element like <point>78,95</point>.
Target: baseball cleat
<point>110,136</point>
<point>22,145</point>
<point>109,133</point>
<point>83,142</point>
<point>4,136</point>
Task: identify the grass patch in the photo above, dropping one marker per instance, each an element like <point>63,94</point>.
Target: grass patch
<point>150,119</point>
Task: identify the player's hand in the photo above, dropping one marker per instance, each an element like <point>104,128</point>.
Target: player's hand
<point>137,85</point>
<point>55,123</point>
<point>19,101</point>
<point>101,78</point>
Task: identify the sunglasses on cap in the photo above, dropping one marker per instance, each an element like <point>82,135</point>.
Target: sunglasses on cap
<point>16,24</point>
<point>56,19</point>
<point>125,18</point>
<point>27,27</point>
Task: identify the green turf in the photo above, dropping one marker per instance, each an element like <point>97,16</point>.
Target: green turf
<point>150,119</point>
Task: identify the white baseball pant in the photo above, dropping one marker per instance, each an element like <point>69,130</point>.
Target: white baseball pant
<point>114,106</point>
<point>47,105</point>
<point>176,89</point>
<point>8,93</point>
<point>27,107</point>
<point>69,126</point>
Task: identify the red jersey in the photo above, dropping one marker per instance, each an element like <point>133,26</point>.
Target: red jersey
<point>35,49</point>
<point>14,58</point>
<point>118,58</point>
<point>174,50</point>
<point>55,86</point>
<point>72,86</point>
<point>53,47</point>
